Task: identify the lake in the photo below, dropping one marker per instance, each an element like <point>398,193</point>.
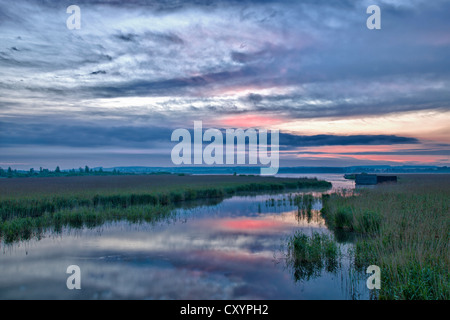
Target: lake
<point>235,249</point>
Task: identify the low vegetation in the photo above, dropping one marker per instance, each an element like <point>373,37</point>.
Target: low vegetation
<point>403,228</point>
<point>28,206</point>
<point>308,256</point>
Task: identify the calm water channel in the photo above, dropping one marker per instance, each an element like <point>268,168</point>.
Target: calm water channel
<point>235,249</point>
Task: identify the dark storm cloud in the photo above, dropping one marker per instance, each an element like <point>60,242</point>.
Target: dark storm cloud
<point>161,38</point>
<point>99,72</point>
<point>81,135</point>
<point>126,37</point>
<point>289,141</point>
<point>170,87</point>
<point>251,57</point>
<point>300,107</point>
<point>85,135</point>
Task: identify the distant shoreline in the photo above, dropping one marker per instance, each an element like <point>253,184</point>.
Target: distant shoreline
<point>243,170</point>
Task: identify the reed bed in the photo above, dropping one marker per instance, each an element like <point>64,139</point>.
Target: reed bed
<point>403,228</point>
<point>309,256</point>
<point>30,205</point>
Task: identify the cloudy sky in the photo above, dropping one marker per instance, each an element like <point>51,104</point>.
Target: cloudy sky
<point>112,92</point>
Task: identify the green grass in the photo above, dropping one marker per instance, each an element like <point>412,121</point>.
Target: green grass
<point>26,228</point>
<point>309,256</point>
<point>29,205</point>
<point>404,229</point>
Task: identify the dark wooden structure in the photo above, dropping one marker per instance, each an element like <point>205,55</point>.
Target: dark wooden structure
<point>383,179</point>
<point>371,179</point>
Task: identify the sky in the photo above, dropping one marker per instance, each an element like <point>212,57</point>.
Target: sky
<point>112,92</point>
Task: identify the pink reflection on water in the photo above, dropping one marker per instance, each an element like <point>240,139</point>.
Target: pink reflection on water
<point>251,225</point>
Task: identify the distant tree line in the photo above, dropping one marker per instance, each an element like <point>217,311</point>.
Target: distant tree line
<point>10,173</point>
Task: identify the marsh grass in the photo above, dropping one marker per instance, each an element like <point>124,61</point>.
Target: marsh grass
<point>309,256</point>
<point>303,201</point>
<point>24,215</point>
<point>404,229</point>
<point>27,228</point>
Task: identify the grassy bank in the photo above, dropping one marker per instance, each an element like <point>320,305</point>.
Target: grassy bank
<point>30,205</point>
<point>404,229</point>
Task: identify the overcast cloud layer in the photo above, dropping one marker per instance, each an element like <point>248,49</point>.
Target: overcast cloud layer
<point>135,71</point>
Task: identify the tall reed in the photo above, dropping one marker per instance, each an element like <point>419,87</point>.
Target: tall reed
<point>404,229</point>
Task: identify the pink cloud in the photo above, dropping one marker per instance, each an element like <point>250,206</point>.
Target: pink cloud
<point>249,120</point>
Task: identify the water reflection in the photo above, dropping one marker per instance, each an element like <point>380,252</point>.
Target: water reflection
<point>235,249</point>
<point>310,256</point>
